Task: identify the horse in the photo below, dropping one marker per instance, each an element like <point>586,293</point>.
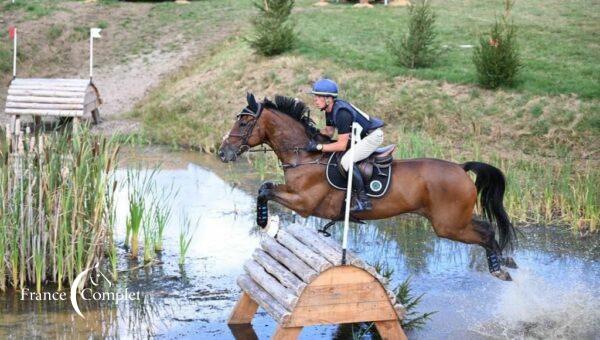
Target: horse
<point>438,190</point>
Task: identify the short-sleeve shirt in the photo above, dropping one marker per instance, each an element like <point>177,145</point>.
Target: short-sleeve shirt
<point>343,121</point>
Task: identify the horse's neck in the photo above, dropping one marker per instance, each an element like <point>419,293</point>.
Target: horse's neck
<point>288,141</point>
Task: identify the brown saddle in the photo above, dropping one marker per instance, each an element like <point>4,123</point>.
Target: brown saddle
<point>380,159</point>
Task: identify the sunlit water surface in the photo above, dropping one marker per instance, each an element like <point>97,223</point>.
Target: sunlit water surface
<point>555,292</point>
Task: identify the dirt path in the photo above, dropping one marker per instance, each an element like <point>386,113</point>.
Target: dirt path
<point>136,51</point>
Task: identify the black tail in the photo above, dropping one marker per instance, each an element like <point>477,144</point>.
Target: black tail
<point>490,185</point>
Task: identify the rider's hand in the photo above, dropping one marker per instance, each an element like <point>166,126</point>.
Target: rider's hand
<point>312,146</point>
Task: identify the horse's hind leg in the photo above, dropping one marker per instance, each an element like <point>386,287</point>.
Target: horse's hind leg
<point>492,249</point>
<point>477,232</point>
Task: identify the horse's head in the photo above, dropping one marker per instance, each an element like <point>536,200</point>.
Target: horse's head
<point>245,133</point>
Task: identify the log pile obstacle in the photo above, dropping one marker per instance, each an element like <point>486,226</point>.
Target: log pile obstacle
<point>298,278</point>
<point>74,98</point>
<point>40,97</point>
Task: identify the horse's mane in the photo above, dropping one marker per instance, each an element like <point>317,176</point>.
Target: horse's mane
<point>296,109</point>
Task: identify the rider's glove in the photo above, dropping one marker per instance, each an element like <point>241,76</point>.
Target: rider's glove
<point>313,146</point>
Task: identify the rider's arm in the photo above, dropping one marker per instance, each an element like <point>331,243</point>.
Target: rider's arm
<point>340,145</point>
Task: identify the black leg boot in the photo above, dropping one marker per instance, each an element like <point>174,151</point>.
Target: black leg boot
<point>362,201</point>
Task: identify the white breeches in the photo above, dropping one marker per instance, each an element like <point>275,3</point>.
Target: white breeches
<point>364,148</point>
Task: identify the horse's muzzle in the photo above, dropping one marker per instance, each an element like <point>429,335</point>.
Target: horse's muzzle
<point>227,155</point>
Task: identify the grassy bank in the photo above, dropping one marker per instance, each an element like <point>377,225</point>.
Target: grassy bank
<point>544,143</point>
<point>557,39</point>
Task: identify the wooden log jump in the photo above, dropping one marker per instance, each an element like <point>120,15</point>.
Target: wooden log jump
<point>298,279</point>
<point>39,97</point>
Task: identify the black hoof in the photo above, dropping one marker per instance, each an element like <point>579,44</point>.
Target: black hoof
<point>509,262</point>
<point>265,189</point>
<point>502,275</point>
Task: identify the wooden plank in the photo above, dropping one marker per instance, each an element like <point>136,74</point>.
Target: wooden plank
<point>288,259</point>
<point>17,105</point>
<point>244,310</point>
<point>287,278</point>
<point>46,93</point>
<point>341,313</point>
<point>266,301</point>
<point>390,330</point>
<point>314,260</point>
<point>42,112</point>
<point>65,81</point>
<point>286,333</point>
<point>350,257</point>
<point>342,294</point>
<point>36,99</point>
<point>283,295</point>
<point>314,241</point>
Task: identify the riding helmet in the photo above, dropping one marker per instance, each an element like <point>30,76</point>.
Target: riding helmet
<point>325,87</point>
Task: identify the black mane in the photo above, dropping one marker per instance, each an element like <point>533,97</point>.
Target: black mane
<point>296,109</point>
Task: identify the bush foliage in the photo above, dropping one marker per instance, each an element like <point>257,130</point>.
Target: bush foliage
<point>417,48</point>
<point>273,32</point>
<point>497,58</point>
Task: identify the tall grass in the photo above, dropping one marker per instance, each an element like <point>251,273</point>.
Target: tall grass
<point>186,234</point>
<point>56,198</point>
<point>140,185</point>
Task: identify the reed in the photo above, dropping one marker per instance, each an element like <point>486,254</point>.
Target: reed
<point>56,195</point>
<point>140,185</point>
<point>185,238</point>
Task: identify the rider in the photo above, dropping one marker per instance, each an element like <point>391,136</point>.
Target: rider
<point>340,115</point>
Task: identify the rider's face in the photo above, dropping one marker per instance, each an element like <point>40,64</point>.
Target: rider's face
<point>320,102</point>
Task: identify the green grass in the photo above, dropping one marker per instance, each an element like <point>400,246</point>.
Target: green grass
<point>557,40</point>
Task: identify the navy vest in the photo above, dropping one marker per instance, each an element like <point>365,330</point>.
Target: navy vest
<point>365,121</point>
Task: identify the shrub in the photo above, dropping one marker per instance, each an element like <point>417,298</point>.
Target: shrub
<point>418,47</point>
<point>497,57</point>
<point>273,33</point>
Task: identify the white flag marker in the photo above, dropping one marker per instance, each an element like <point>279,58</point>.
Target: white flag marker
<point>356,128</point>
<point>94,33</point>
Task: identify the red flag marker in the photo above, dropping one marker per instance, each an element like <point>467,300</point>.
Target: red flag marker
<point>11,32</point>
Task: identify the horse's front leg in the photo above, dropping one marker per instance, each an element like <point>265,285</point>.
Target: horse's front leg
<point>282,194</point>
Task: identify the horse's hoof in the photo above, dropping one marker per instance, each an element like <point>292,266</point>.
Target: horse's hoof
<point>509,262</point>
<point>502,275</point>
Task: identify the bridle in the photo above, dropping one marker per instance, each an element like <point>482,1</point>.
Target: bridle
<point>245,135</point>
<point>247,132</point>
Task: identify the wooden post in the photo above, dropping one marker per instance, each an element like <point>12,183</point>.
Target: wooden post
<point>286,333</point>
<point>390,330</point>
<point>244,310</point>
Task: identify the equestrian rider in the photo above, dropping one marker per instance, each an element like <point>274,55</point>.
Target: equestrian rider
<point>339,115</point>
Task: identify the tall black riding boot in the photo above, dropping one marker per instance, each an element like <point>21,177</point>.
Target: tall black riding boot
<point>361,201</point>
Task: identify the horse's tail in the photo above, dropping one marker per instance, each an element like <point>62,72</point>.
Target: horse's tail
<point>490,185</point>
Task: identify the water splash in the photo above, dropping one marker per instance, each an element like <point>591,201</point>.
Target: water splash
<point>532,307</point>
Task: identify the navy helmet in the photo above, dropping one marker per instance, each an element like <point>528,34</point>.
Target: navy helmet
<point>325,87</point>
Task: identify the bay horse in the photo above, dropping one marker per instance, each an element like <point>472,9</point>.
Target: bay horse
<point>439,190</point>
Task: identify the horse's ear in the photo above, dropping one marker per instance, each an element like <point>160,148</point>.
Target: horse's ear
<point>252,104</point>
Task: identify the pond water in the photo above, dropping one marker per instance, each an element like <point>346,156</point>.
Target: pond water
<point>555,292</point>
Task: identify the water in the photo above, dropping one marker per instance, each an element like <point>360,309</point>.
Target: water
<point>555,292</point>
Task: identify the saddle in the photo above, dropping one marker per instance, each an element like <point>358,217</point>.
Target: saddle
<point>376,171</point>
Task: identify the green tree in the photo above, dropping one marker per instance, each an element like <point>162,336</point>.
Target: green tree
<point>273,32</point>
<point>418,47</point>
<point>497,57</point>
